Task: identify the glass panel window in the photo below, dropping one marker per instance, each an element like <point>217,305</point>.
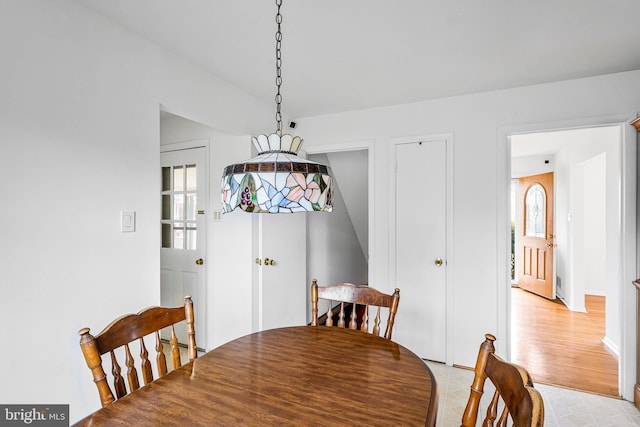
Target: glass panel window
<point>191,178</point>
<point>179,204</point>
<point>191,238</point>
<point>191,206</point>
<point>166,206</point>
<point>178,236</point>
<point>166,178</point>
<point>178,207</point>
<point>166,235</point>
<point>535,211</point>
<point>178,178</point>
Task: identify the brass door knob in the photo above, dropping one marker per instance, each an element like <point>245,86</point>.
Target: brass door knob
<point>199,261</point>
<point>258,261</point>
<point>438,262</point>
<point>268,261</point>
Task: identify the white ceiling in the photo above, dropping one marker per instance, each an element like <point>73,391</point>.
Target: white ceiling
<point>341,55</point>
<point>552,142</point>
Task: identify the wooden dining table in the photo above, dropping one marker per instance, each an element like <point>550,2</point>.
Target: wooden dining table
<point>306,376</point>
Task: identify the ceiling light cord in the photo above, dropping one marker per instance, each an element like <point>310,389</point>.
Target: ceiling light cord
<point>278,69</point>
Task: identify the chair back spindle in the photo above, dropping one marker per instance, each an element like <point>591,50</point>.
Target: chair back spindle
<point>359,298</point>
<point>117,338</point>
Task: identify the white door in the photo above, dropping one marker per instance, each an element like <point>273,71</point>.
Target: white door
<point>420,249</point>
<point>279,285</point>
<point>182,260</point>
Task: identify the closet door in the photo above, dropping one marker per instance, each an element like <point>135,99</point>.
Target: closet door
<point>280,271</point>
<point>420,247</point>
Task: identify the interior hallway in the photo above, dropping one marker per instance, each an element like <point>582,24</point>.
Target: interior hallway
<point>561,347</point>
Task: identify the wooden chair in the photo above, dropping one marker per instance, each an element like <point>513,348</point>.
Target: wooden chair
<point>362,295</point>
<point>514,392</point>
<point>127,329</point>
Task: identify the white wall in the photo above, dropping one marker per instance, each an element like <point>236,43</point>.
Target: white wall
<point>574,274</point>
<point>595,202</point>
<point>79,140</point>
<point>576,175</point>
<point>476,121</point>
<point>351,172</point>
<point>531,165</point>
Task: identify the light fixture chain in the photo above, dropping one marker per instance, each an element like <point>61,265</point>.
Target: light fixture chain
<point>278,68</point>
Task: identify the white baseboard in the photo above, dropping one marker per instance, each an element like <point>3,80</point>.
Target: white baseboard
<point>611,346</point>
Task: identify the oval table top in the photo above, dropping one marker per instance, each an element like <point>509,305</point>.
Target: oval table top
<point>311,376</point>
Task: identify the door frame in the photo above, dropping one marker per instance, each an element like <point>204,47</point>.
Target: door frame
<point>449,294</point>
<point>628,237</point>
<point>187,145</point>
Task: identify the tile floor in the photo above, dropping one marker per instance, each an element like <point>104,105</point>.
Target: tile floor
<point>563,407</point>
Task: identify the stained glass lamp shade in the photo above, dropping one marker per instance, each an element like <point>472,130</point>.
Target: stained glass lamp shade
<point>277,180</point>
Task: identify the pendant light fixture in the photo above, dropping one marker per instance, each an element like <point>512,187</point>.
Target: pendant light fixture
<point>277,180</point>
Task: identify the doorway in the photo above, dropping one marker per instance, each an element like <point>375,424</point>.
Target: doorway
<point>587,166</point>
<point>338,248</point>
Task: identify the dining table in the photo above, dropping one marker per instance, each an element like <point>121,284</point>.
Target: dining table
<point>292,376</point>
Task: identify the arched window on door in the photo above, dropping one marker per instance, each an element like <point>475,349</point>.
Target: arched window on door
<point>535,211</point>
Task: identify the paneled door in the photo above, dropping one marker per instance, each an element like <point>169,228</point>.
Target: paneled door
<point>420,247</point>
<point>280,270</point>
<point>183,234</point>
<point>536,234</point>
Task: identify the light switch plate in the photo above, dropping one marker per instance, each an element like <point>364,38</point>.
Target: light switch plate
<point>127,221</point>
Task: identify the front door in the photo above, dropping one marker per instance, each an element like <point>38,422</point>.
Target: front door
<point>420,249</point>
<point>535,234</point>
<point>182,255</point>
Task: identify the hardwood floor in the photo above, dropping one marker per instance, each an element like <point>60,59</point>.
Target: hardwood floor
<point>561,347</point>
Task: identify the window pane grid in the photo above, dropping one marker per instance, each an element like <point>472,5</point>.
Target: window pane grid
<point>179,207</point>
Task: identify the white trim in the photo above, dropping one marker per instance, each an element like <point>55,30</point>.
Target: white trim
<point>342,146</point>
<point>503,242</point>
<point>596,293</point>
<point>187,145</point>
<point>354,146</point>
<point>449,308</point>
<point>628,268</point>
<point>611,346</point>
<point>627,230</point>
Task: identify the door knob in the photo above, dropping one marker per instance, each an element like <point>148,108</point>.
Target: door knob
<point>258,261</point>
<point>549,245</point>
<point>438,262</point>
<point>268,261</point>
<point>199,261</point>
